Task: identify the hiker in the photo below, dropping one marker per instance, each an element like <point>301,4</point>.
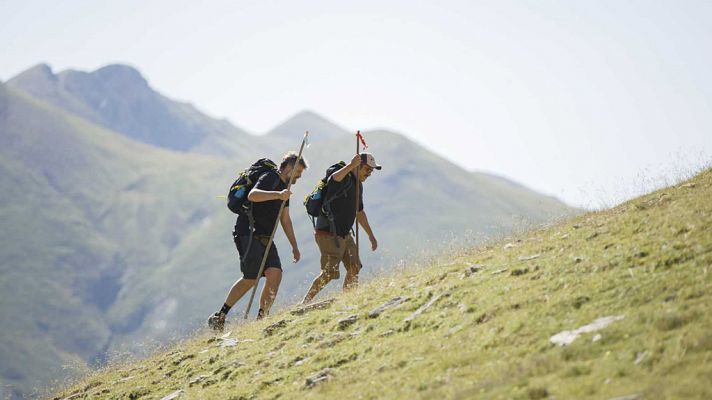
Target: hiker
<point>332,229</point>
<point>251,237</point>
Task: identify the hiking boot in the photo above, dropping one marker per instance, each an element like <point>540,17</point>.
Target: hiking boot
<point>216,322</point>
<point>260,314</point>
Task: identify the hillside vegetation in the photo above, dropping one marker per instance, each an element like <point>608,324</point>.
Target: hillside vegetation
<point>482,323</point>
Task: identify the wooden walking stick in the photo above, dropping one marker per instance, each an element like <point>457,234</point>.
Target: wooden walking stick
<point>274,230</point>
<point>358,190</point>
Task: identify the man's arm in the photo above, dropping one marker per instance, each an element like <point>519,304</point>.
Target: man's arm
<point>259,195</point>
<point>288,229</point>
<point>363,221</point>
<point>339,175</point>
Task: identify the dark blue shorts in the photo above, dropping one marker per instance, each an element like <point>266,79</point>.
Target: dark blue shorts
<point>250,262</point>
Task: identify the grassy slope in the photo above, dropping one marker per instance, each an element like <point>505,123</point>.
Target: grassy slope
<point>488,335</point>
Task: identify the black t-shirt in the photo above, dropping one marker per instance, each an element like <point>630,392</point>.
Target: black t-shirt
<point>264,212</point>
<point>343,205</point>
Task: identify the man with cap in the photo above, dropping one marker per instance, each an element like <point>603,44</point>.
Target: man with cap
<point>333,225</point>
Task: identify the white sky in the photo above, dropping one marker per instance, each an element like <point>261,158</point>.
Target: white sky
<point>591,101</point>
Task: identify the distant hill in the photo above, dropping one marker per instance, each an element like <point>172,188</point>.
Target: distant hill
<point>118,97</point>
<point>319,127</point>
<point>609,305</point>
<point>115,240</point>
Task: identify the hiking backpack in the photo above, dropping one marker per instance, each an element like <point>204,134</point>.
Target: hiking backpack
<point>314,202</point>
<point>237,196</point>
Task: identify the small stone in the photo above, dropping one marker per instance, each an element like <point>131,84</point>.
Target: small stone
<point>348,321</point>
<point>640,357</point>
<point>334,340</point>
<point>322,376</point>
<point>565,338</point>
<point>228,343</point>
<point>198,380</point>
<point>577,226</point>
<point>389,304</point>
<point>597,337</point>
<point>578,259</point>
<point>303,309</point>
<point>275,327</point>
<point>528,258</point>
<point>128,378</point>
<point>635,396</point>
<point>387,333</point>
<point>173,395</point>
<point>508,246</point>
<point>424,307</point>
<point>472,268</point>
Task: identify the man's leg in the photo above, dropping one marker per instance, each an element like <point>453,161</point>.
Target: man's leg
<point>321,280</point>
<point>217,320</point>
<point>273,277</point>
<point>352,264</point>
<point>238,290</point>
<point>330,260</point>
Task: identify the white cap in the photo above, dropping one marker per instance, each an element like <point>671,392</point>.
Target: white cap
<point>370,161</point>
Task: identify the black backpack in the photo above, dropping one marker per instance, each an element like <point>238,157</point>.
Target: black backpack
<point>237,196</point>
<point>314,202</point>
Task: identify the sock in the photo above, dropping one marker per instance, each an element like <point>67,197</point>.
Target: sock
<point>225,309</point>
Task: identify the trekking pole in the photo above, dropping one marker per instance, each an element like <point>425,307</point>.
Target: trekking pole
<point>274,230</point>
<point>358,190</point>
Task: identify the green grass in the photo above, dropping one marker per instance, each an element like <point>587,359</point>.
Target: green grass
<point>487,334</point>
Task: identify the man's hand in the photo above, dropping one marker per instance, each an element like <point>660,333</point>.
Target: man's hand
<point>374,242</point>
<point>284,195</point>
<point>295,255</point>
<point>355,162</point>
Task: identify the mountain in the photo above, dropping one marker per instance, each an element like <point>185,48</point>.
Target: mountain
<point>117,242</point>
<point>117,97</point>
<point>319,127</point>
<point>611,304</point>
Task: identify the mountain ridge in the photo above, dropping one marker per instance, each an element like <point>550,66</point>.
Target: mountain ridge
<point>319,127</point>
<point>119,98</point>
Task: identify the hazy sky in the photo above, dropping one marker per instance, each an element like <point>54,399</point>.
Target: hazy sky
<point>591,101</point>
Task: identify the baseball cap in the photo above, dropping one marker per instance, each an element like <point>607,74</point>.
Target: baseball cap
<point>370,161</point>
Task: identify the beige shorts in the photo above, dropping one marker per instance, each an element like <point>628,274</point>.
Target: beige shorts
<point>332,256</point>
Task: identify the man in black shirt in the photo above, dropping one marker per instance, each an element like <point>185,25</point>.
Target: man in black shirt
<point>333,225</point>
<point>265,198</point>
